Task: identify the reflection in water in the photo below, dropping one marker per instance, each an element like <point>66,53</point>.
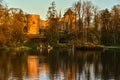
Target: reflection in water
<point>44,71</point>
<point>60,65</point>
<point>32,66</point>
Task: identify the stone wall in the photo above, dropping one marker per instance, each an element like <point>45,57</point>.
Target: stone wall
<point>33,23</point>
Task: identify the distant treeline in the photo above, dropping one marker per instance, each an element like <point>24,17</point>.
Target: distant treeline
<point>94,26</point>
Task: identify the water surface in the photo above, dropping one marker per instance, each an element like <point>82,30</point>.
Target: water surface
<point>60,65</point>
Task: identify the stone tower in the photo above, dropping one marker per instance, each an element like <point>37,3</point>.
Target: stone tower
<point>70,20</point>
<point>33,23</point>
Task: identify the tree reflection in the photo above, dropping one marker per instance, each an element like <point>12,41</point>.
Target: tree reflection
<point>32,63</point>
<point>60,64</point>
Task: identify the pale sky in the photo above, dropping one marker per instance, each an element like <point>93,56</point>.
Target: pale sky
<point>41,6</point>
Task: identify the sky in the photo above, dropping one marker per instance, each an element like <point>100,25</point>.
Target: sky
<point>41,6</point>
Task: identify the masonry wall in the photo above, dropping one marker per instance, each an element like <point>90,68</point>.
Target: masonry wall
<point>33,23</point>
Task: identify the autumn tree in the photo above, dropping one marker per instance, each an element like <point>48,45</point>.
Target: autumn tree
<point>96,25</point>
<point>11,25</point>
<point>4,25</point>
<point>115,23</point>
<point>18,24</point>
<point>105,26</point>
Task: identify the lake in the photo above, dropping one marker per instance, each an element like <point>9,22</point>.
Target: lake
<point>64,64</point>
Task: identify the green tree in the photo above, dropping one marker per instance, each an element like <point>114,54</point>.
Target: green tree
<point>52,33</point>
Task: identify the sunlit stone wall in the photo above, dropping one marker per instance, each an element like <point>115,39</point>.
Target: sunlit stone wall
<point>33,23</point>
<point>69,20</point>
<point>44,24</point>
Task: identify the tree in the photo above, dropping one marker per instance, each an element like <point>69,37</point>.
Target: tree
<point>4,25</point>
<point>87,9</point>
<point>96,23</point>
<point>88,13</point>
<point>11,25</point>
<point>96,18</point>
<point>52,33</point>
<point>115,22</point>
<point>106,28</point>
<point>18,24</point>
<point>105,19</point>
<point>52,13</point>
<point>77,8</point>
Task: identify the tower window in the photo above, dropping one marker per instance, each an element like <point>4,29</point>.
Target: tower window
<point>33,22</point>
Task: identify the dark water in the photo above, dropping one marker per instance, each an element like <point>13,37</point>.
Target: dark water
<point>60,65</point>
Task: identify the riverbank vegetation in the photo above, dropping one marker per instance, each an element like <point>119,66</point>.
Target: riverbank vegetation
<point>12,26</point>
<point>92,26</point>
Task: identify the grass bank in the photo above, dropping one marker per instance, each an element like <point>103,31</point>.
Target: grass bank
<point>61,45</point>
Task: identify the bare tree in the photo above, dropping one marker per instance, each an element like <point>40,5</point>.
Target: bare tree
<point>87,9</point>
<point>77,6</point>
